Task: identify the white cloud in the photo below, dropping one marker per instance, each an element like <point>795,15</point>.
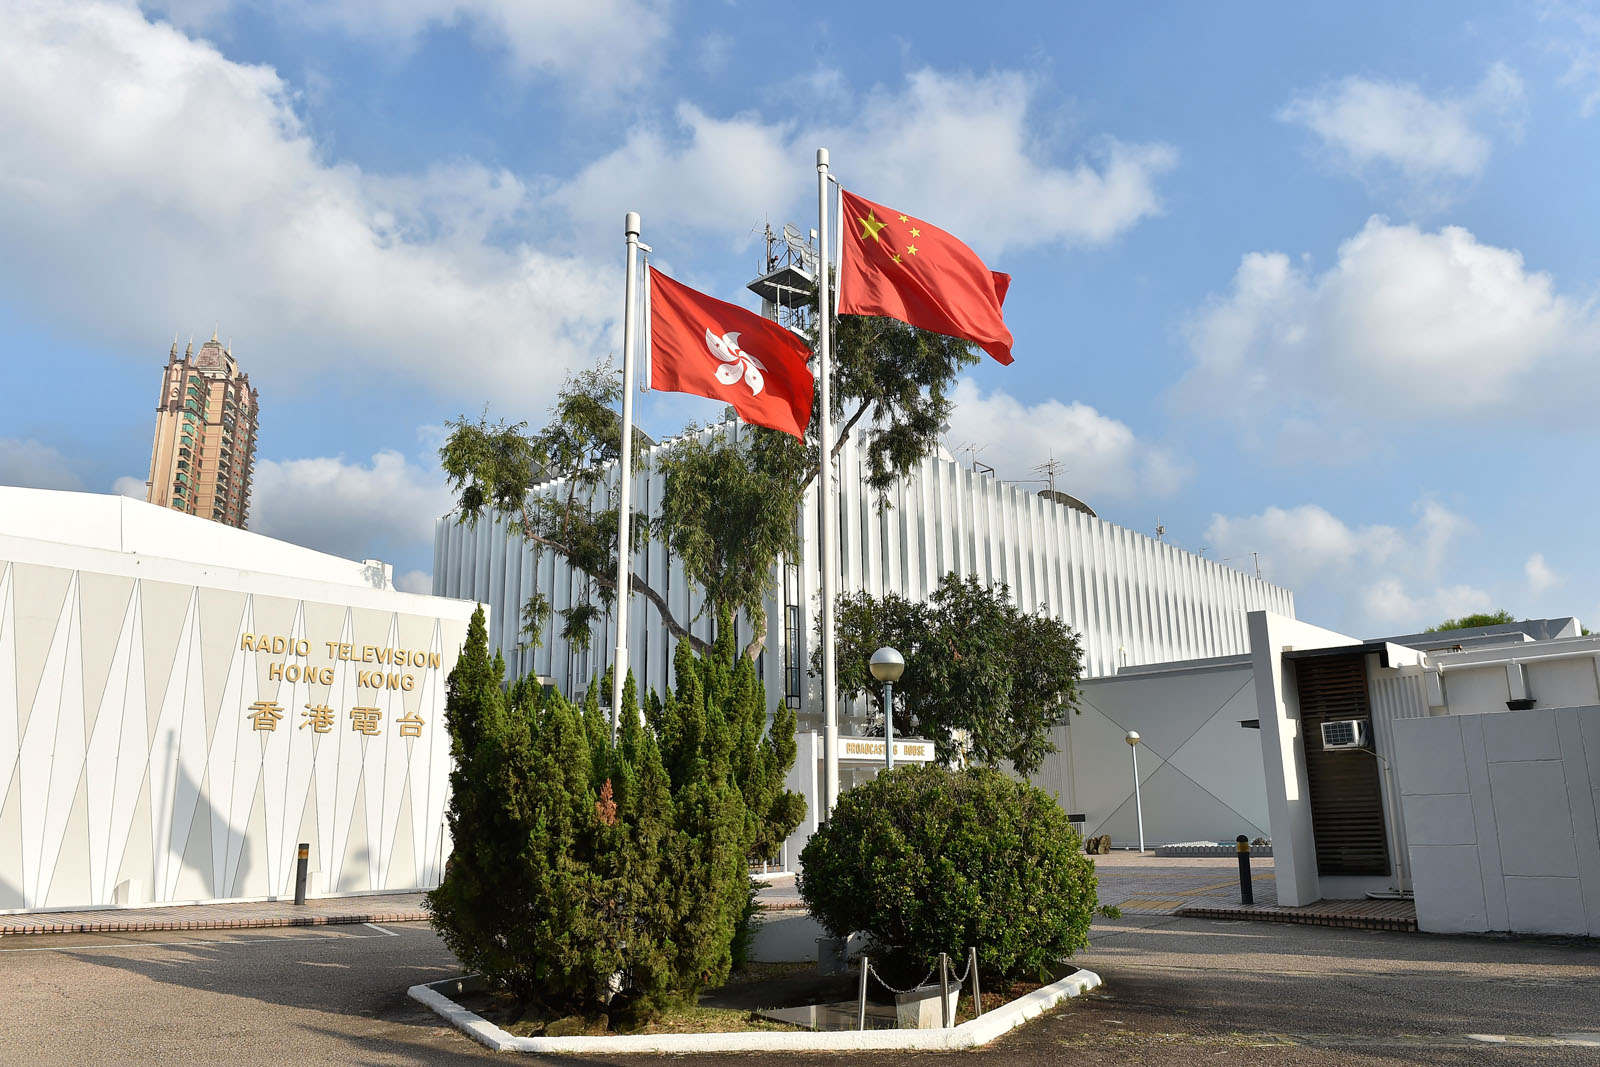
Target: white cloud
<point>33,465</point>
<point>146,175</point>
<point>957,149</point>
<point>1375,578</point>
<point>1540,577</point>
<point>1100,456</point>
<point>1391,609</point>
<point>1371,127</point>
<point>131,486</point>
<point>1407,325</point>
<point>376,510</point>
<point>1577,39</point>
<point>414,582</point>
<point>600,44</point>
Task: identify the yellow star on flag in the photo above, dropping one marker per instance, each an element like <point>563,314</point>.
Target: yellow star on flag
<point>916,232</point>
<point>911,249</point>
<point>904,219</point>
<point>895,257</point>
<point>870,226</point>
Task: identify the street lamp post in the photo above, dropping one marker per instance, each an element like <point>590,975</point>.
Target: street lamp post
<point>1138,804</point>
<point>887,666</point>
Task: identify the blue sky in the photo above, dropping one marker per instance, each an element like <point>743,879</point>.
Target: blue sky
<point>1317,285</point>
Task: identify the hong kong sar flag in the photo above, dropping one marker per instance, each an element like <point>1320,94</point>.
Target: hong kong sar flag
<point>719,350</point>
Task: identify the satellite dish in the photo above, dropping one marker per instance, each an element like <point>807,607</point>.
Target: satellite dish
<point>799,245</point>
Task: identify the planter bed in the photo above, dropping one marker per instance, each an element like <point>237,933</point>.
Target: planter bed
<point>445,998</point>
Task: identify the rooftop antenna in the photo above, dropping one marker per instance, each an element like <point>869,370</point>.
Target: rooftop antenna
<point>1161,531</point>
<point>972,448</point>
<point>788,275</point>
<point>1050,468</point>
<point>1256,556</point>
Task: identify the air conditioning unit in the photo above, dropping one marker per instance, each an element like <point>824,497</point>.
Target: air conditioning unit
<point>1346,733</point>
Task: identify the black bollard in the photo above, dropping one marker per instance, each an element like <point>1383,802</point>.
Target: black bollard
<point>300,873</point>
<point>1247,894</point>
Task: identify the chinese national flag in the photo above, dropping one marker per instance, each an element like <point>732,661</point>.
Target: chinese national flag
<point>900,267</point>
<point>719,350</point>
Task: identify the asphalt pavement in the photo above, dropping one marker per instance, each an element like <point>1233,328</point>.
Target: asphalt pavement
<point>1178,991</point>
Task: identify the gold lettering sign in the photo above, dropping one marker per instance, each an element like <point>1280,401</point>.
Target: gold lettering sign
<point>340,652</point>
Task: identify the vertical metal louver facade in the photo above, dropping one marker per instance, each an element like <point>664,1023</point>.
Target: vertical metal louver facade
<point>1133,598</point>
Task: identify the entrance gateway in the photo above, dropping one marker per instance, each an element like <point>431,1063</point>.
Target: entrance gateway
<point>1346,793</point>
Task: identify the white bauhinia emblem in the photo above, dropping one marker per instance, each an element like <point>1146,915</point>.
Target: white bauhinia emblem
<point>736,362</point>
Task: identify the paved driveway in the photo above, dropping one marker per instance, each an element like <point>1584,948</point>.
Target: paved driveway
<point>330,995</point>
<point>1151,885</point>
<point>1178,992</point>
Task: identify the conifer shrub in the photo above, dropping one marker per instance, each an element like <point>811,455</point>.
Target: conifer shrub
<point>924,859</point>
<point>585,870</point>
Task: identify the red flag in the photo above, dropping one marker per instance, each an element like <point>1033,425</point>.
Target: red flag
<point>902,268</point>
<point>714,349</point>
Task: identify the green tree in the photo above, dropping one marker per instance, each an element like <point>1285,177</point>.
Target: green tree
<point>577,859</point>
<point>1467,622</point>
<point>726,776</point>
<point>731,502</point>
<point>550,486</point>
<point>984,680</point>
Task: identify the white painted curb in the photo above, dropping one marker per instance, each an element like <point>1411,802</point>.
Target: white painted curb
<point>979,1031</point>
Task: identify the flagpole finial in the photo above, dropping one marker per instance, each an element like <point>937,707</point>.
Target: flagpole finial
<point>630,224</point>
<point>822,157</point>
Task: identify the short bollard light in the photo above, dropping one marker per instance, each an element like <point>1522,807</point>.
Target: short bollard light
<point>1247,894</point>
<point>887,665</point>
<point>300,866</point>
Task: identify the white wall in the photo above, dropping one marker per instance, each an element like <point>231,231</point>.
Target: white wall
<point>132,770</point>
<point>1200,772</point>
<point>1561,673</point>
<point>121,524</point>
<point>1503,817</point>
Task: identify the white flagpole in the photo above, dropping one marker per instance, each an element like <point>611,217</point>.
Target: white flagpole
<point>830,525</point>
<point>619,670</point>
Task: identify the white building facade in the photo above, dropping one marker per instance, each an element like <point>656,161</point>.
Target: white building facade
<point>1477,788</point>
<point>182,703</point>
<point>1134,599</point>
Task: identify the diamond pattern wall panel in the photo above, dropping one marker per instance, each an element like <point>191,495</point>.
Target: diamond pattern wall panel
<point>163,743</point>
<point>1200,773</point>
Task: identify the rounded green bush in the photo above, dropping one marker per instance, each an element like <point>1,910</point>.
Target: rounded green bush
<point>925,859</point>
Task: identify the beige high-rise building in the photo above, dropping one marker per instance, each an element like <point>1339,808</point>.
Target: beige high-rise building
<point>205,435</point>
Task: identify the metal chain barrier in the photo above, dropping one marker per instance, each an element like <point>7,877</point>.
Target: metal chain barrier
<point>960,982</point>
<point>926,980</point>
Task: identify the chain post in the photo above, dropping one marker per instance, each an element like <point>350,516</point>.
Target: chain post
<point>861,1009</point>
<point>977,994</point>
<point>944,989</point>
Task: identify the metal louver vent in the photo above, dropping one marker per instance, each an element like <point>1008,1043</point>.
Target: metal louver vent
<point>1346,800</point>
